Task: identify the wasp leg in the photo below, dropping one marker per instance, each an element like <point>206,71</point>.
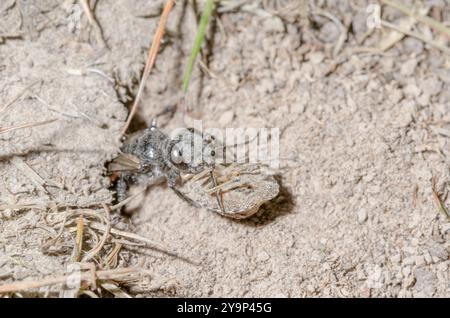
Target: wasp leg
<point>172,178</point>
<point>226,186</point>
<point>149,178</point>
<point>185,198</point>
<point>218,197</point>
<point>121,188</point>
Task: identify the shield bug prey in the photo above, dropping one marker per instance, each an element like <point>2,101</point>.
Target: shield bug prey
<point>242,189</point>
<point>187,162</point>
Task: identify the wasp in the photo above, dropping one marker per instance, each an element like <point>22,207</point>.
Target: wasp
<point>187,163</point>
<point>151,157</point>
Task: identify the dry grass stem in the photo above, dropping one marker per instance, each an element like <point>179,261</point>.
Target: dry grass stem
<point>152,53</point>
<point>28,125</point>
<point>418,36</point>
<point>87,277</point>
<point>93,22</point>
<point>105,236</point>
<point>438,26</point>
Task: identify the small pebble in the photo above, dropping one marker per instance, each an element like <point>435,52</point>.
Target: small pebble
<point>413,45</point>
<point>329,32</point>
<point>431,86</point>
<point>266,85</point>
<point>316,57</point>
<point>423,100</point>
<point>427,258</point>
<point>396,258</point>
<point>226,118</point>
<point>409,260</point>
<point>439,252</point>
<point>404,120</point>
<point>408,67</point>
<point>262,256</point>
<point>420,260</point>
<point>273,24</point>
<point>411,90</point>
<point>362,216</point>
<point>425,281</point>
<point>442,267</point>
<point>406,271</point>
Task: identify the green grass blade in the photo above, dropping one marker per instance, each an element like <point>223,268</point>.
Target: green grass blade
<point>199,38</point>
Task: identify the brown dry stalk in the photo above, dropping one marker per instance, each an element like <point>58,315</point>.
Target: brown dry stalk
<point>152,53</point>
<point>78,239</point>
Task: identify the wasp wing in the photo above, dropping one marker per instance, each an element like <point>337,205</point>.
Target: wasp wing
<point>124,162</point>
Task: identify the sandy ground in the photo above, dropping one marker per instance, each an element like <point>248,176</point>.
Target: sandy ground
<point>363,133</point>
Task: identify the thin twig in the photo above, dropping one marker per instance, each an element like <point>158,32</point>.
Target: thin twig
<point>93,22</point>
<point>88,11</point>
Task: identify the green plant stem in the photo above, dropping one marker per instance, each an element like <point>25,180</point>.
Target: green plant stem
<point>199,38</point>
